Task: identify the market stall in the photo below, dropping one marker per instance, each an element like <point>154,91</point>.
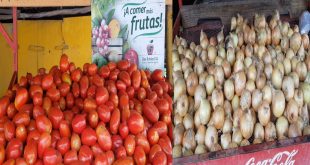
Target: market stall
<point>69,110</point>
<point>232,63</point>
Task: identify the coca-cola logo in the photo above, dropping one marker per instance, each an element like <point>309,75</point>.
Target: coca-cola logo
<point>281,158</point>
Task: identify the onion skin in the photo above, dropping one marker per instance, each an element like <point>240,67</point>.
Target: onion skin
<point>191,83</point>
<point>188,141</point>
<point>294,130</point>
<point>204,111</point>
<point>292,111</point>
<point>295,41</point>
<point>182,105</point>
<point>200,149</point>
<point>229,89</point>
<point>247,124</point>
<point>264,113</point>
<point>278,103</point>
<point>239,82</point>
<point>225,140</point>
<point>270,132</point>
<point>211,137</point>
<point>177,151</point>
<point>218,117</point>
<point>259,132</point>
<point>178,133</point>
<point>237,136</point>
<point>282,127</point>
<point>288,87</point>
<point>200,134</point>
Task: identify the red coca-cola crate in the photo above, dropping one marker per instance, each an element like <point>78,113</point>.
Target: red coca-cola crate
<point>284,152</point>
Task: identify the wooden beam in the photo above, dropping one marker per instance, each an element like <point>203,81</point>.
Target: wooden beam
<point>43,3</point>
<point>7,11</point>
<point>75,11</point>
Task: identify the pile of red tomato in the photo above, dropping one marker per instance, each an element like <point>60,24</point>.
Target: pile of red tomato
<point>116,114</point>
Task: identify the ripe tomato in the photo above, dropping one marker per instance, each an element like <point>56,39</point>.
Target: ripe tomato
<point>158,89</point>
<point>116,142</point>
<point>64,63</point>
<point>102,95</point>
<point>84,84</point>
<point>37,99</point>
<point>92,69</point>
<point>30,152</point>
<point>21,133</point>
<point>47,104</point>
<point>23,82</point>
<point>21,98</point>
<point>142,141</point>
<point>9,162</point>
<point>14,149</point>
<point>130,144</point>
<point>120,85</point>
<point>123,65</point>
<point>152,136</point>
<point>104,72</point>
<point>34,134</point>
<point>90,105</point>
<point>120,152</point>
<point>50,156</point>
<point>11,110</point>
<point>110,156</point>
<point>111,87</point>
<point>85,67</point>
<point>53,94</point>
<point>111,65</point>
<point>21,118</point>
<point>79,123</point>
<point>144,81</point>
<point>161,128</point>
<point>113,74</point>
<point>70,156</point>
<point>64,129</point>
<point>133,67</point>
<point>75,142</point>
<point>88,137</point>
<point>43,124</point>
<point>103,137</point>
<point>135,123</point>
<point>47,81</point>
<point>44,142</point>
<point>2,139</point>
<point>139,156</point>
<point>150,111</point>
<point>157,75</point>
<point>35,89</point>
<point>165,144</point>
<point>96,149</point>
<point>97,81</point>
<point>162,105</point>
<point>63,145</point>
<point>55,115</point>
<point>64,89</point>
<point>115,121</point>
<point>21,161</point>
<point>155,148</point>
<point>125,160</point>
<point>125,77</point>
<point>123,130</point>
<point>136,79</point>
<point>69,100</point>
<point>160,158</point>
<point>2,154</point>
<point>131,92</point>
<point>101,159</point>
<point>85,154</point>
<point>104,113</point>
<point>93,118</point>
<point>9,130</point>
<point>151,95</point>
<point>66,78</point>
<point>71,67</point>
<point>76,75</point>
<point>141,94</point>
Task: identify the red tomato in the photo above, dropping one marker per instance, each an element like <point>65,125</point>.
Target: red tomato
<point>96,149</point>
<point>66,78</point>
<point>90,105</point>
<point>64,129</point>
<point>152,96</point>
<point>113,74</point>
<point>14,149</point>
<point>104,72</point>
<point>130,144</point>
<point>69,100</point>
<point>43,124</point>
<point>11,110</point>
<point>79,123</point>
<point>47,81</point>
<point>21,98</point>
<point>135,123</point>
<point>35,89</point>
<point>157,75</point>
<point>120,152</point>
<point>125,77</point>
<point>21,161</point>
<point>130,91</point>
<point>50,156</point>
<point>2,139</point>
<point>21,133</point>
<point>9,162</point>
<point>85,67</point>
<point>71,67</point>
<point>123,65</point>
<point>79,102</point>
<point>104,113</point>
<point>76,75</point>
<point>21,118</point>
<point>165,144</point>
<point>124,102</point>
<point>64,63</point>
<point>155,148</point>
<point>88,137</point>
<point>161,128</point>
<point>123,130</point>
<point>150,111</point>
<point>103,137</point>
<point>111,87</point>
<point>152,136</point>
<point>64,89</point>
<point>142,141</point>
<point>114,99</point>
<point>116,142</point>
<point>162,105</point>
<point>23,81</point>
<point>85,154</point>
<point>160,158</point>
<point>133,67</point>
<point>158,89</point>
<point>115,121</point>
<point>136,79</point>
<point>102,95</point>
<point>110,156</point>
<point>30,151</point>
<point>84,84</point>
<point>141,94</point>
<point>56,116</point>
<point>37,99</point>
<point>53,94</point>
<point>97,81</point>
<point>70,156</point>
<point>111,65</point>
<point>166,117</point>
<point>101,159</point>
<point>63,145</point>
<point>93,118</point>
<point>9,130</point>
<point>92,69</point>
<point>139,156</point>
<point>35,134</point>
<point>44,142</point>
<point>125,160</point>
<point>47,104</point>
<point>120,85</point>
<point>75,142</point>
<point>144,81</point>
<point>32,125</point>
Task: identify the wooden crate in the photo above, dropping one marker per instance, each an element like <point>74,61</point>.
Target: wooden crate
<point>211,16</point>
<point>290,151</point>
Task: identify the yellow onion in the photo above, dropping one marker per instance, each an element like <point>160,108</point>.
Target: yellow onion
<point>295,41</point>
<point>270,132</point>
<point>278,103</point>
<point>247,124</point>
<point>264,113</point>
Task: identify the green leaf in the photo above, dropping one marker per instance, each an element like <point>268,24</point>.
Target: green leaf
<point>123,32</point>
<point>99,60</point>
<point>96,22</point>
<point>110,15</point>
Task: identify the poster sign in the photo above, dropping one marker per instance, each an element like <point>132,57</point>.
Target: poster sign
<point>129,29</point>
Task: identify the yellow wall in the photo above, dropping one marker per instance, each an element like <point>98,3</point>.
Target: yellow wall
<point>6,61</point>
<point>42,42</point>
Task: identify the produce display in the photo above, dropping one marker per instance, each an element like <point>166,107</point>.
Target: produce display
<point>249,87</point>
<point>116,114</point>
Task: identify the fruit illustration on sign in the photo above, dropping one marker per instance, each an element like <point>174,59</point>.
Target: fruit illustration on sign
<point>150,48</point>
<point>132,56</point>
